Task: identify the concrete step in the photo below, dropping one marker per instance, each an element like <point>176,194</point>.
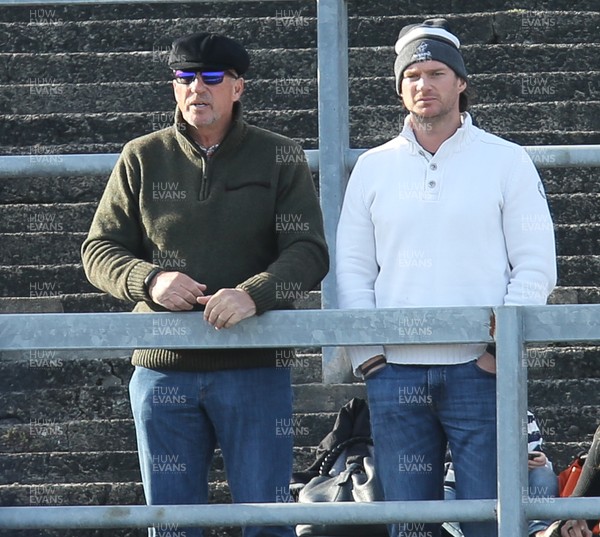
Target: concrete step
<point>110,12</point>
<point>112,402</point>
<point>93,68</point>
<point>562,453</point>
<point>109,493</point>
<point>44,95</point>
<point>499,119</point>
<point>53,190</point>
<point>429,8</point>
<point>152,34</point>
<point>47,435</point>
<point>563,362</point>
<point>521,137</point>
<point>46,468</point>
<point>47,217</point>
<point>40,96</point>
<point>567,393</point>
<point>577,239</point>
<point>50,368</point>
<point>67,303</point>
<point>287,32</point>
<point>570,180</point>
<point>43,281</point>
<point>284,9</point>
<point>45,248</point>
<point>579,270</point>
<point>35,281</point>
<point>575,424</point>
<point>21,218</point>
<point>370,124</point>
<point>64,247</point>
<point>140,66</point>
<point>495,27</point>
<point>49,190</point>
<point>492,88</point>
<point>31,131</point>
<point>529,87</point>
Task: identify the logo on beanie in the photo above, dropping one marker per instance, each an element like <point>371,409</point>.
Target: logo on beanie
<point>422,54</point>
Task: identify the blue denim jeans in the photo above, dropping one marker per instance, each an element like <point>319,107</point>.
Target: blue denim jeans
<point>415,412</point>
<point>543,485</point>
<point>180,416</point>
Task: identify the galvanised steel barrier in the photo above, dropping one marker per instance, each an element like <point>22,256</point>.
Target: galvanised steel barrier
<point>515,326</point>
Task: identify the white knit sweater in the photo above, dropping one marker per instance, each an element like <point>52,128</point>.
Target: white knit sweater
<point>468,226</point>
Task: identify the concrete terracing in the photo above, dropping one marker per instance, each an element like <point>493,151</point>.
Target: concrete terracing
<point>81,79</point>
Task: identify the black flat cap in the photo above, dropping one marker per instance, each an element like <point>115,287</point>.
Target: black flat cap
<point>203,50</point>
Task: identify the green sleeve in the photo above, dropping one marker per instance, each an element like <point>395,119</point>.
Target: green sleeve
<point>112,253</point>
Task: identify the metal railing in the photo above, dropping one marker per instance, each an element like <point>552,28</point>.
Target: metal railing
<point>515,327</point>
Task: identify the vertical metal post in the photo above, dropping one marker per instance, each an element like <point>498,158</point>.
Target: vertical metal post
<point>512,422</point>
<point>334,140</point>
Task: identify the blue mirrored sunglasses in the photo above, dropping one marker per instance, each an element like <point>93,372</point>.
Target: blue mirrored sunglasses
<point>210,78</point>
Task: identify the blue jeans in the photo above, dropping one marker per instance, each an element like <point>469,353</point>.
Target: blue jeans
<point>415,412</point>
<point>543,484</point>
<point>179,418</point>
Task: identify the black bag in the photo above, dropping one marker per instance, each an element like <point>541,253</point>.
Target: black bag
<point>353,481</point>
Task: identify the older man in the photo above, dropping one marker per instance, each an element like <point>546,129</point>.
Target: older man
<point>189,220</point>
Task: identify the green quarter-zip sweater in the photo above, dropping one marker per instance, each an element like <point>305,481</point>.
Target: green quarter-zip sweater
<point>249,218</point>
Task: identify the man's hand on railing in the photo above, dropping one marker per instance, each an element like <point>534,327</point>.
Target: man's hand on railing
<point>175,291</point>
<point>227,307</point>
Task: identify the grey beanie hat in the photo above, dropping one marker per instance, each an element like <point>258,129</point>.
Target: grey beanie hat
<point>430,40</point>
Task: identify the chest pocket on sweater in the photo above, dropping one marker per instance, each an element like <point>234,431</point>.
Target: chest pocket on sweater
<point>237,183</point>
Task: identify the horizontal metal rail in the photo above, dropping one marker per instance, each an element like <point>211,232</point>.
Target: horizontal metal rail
<point>568,323</point>
<point>268,514</point>
<point>50,165</point>
<point>45,164</point>
<point>304,328</point>
<point>543,156</point>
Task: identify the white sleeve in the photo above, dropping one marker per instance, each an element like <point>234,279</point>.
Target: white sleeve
<point>356,263</point>
<point>529,235</point>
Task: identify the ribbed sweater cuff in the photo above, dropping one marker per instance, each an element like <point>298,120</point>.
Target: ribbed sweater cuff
<point>205,359</point>
<point>135,281</point>
<point>261,289</point>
